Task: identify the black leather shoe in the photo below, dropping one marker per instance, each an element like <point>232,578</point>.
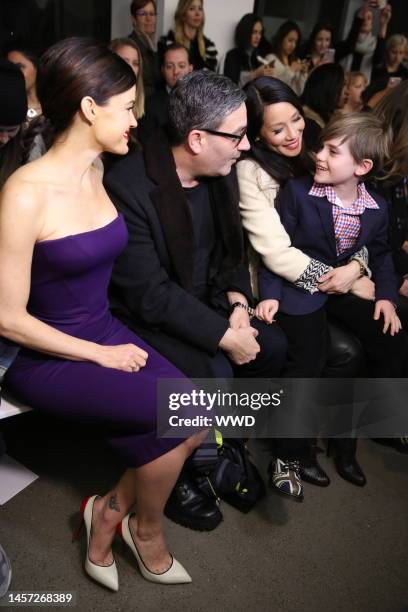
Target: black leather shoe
<point>349,469</point>
<point>189,507</point>
<point>311,471</point>
<point>398,444</point>
<point>344,452</point>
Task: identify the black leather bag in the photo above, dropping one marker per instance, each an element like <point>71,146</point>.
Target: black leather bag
<point>234,478</point>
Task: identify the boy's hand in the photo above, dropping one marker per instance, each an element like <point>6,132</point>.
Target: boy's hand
<point>266,310</point>
<point>391,320</point>
<point>364,288</point>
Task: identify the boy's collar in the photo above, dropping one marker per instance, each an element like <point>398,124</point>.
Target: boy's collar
<point>364,198</point>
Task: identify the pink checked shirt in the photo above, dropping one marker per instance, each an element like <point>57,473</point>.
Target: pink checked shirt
<point>347,223</point>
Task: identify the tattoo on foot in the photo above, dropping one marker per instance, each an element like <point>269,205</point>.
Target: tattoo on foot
<point>113,504</point>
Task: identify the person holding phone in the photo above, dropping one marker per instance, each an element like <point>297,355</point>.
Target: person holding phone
<point>245,61</point>
<point>322,48</point>
<point>288,68</point>
<point>368,49</point>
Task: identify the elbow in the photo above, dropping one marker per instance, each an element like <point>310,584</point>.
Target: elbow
<point>7,324</point>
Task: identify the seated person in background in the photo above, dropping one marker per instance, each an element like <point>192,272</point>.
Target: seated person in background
<point>27,61</point>
<point>288,68</point>
<point>175,64</point>
<point>323,95</point>
<point>356,83</point>
<point>189,31</point>
<point>392,65</point>
<point>393,111</point>
<point>317,49</point>
<point>241,63</point>
<point>144,17</point>
<point>128,50</point>
<point>368,46</point>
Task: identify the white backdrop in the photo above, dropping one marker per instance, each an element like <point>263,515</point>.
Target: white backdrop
<point>221,18</point>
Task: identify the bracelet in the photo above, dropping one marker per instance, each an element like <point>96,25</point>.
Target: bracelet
<point>249,310</point>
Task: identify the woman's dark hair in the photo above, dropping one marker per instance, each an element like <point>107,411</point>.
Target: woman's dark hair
<point>243,31</point>
<point>260,93</point>
<point>308,49</point>
<point>74,68</point>
<point>283,31</point>
<point>323,89</point>
<point>30,54</point>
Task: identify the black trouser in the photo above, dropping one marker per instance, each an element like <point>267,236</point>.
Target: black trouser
<point>307,339</point>
<point>386,354</point>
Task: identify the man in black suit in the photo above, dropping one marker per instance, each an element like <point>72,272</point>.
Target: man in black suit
<point>175,64</point>
<point>182,282</point>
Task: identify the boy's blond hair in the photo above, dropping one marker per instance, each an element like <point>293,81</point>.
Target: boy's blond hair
<point>366,135</point>
<point>351,77</point>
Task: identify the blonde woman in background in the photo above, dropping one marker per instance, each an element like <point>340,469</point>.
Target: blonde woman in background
<point>188,31</point>
<point>128,50</point>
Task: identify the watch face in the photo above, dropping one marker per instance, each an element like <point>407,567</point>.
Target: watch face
<point>31,113</point>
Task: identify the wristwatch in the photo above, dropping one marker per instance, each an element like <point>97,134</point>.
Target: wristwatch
<point>249,310</point>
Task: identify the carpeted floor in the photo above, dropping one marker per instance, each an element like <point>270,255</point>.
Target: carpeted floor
<point>343,549</point>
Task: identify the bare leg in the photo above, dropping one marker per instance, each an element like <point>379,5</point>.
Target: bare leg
<point>150,485</point>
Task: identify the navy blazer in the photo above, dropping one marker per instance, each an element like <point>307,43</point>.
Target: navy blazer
<point>309,222</point>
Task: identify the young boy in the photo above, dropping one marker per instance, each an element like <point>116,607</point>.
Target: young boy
<point>329,219</point>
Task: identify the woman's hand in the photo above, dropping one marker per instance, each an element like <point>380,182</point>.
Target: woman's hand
<point>363,288</point>
<point>239,318</point>
<point>296,66</point>
<point>266,310</point>
<point>125,357</point>
<point>340,280</point>
<point>391,320</point>
<point>262,71</point>
<point>385,17</point>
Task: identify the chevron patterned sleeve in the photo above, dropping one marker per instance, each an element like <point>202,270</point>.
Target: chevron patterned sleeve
<point>308,279</point>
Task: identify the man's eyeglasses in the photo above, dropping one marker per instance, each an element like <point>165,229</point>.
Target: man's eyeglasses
<point>237,137</point>
<point>143,13</point>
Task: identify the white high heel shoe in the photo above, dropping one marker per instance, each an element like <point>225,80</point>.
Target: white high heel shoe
<point>105,574</point>
<point>176,574</point>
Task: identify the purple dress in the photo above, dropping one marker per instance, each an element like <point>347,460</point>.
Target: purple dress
<point>69,288</point>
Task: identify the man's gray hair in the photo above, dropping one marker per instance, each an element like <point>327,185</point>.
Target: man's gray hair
<point>201,99</point>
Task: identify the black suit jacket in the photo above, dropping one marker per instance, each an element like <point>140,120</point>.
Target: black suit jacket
<point>152,282</point>
<point>156,114</point>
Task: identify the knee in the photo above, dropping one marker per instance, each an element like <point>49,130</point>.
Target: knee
<point>274,344</point>
<point>192,443</point>
<point>345,354</point>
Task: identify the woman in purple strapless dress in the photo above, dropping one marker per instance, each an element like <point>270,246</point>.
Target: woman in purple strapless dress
<point>59,236</point>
